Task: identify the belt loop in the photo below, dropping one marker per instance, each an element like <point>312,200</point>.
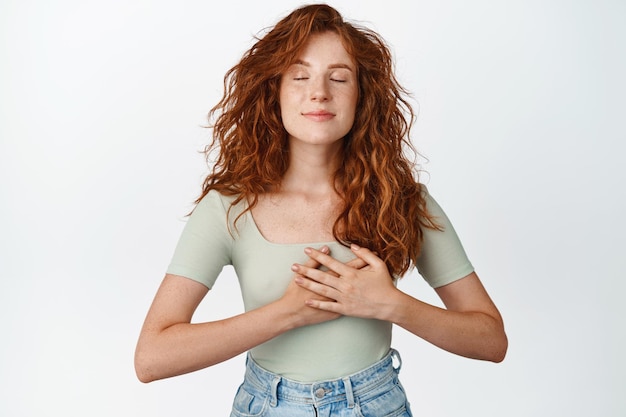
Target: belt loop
<point>396,354</point>
<point>347,384</point>
<point>274,391</point>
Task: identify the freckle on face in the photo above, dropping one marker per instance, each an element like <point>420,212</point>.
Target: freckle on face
<point>323,79</point>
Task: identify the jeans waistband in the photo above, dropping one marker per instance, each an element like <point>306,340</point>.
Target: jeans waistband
<point>361,383</point>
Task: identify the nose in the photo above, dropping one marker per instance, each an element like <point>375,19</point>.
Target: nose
<point>320,90</point>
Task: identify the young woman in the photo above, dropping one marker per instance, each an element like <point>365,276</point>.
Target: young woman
<point>314,202</point>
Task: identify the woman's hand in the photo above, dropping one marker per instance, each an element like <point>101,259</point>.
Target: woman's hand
<point>296,297</point>
<point>470,325</point>
<point>361,289</point>
<point>169,344</point>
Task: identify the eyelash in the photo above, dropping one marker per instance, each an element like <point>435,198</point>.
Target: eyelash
<point>306,78</point>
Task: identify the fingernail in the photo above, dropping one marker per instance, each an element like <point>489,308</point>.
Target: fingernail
<point>324,249</point>
<point>294,267</point>
<point>354,246</point>
<point>307,250</point>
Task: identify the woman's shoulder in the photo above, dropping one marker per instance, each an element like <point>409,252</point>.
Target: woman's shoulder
<point>219,205</point>
<point>432,207</point>
<point>216,198</point>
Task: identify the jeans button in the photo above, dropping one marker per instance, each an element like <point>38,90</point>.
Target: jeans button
<point>319,393</point>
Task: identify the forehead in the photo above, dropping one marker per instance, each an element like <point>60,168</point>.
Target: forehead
<point>324,49</point>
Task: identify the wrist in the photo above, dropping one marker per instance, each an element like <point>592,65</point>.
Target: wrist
<point>283,317</point>
<point>396,307</point>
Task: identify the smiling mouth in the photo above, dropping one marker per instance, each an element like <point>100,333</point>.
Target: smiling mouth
<point>319,115</point>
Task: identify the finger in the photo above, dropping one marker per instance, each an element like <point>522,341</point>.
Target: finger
<point>328,261</point>
<point>331,306</point>
<point>316,275</point>
<point>312,263</point>
<point>357,263</point>
<point>366,255</point>
<point>325,291</point>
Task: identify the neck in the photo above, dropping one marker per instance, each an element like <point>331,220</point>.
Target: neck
<point>311,168</point>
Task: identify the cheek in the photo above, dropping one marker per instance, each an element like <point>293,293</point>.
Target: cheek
<point>286,100</point>
<point>287,110</point>
<point>283,94</point>
<point>352,97</point>
<point>353,102</point>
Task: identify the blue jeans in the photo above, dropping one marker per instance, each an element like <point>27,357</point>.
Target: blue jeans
<point>372,392</point>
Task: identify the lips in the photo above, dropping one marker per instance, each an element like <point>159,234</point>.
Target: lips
<point>318,115</point>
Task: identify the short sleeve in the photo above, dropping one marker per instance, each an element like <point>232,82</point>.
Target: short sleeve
<point>204,247</point>
<point>442,259</point>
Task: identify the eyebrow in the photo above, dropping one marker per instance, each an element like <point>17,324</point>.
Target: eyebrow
<point>331,66</point>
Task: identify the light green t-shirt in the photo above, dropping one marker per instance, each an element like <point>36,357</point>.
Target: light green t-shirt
<point>318,352</point>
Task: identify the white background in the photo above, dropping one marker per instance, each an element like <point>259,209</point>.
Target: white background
<point>521,118</point>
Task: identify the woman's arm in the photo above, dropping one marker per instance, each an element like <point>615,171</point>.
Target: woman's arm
<point>169,344</point>
<point>470,325</point>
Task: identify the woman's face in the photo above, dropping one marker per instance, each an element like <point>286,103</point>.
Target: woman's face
<point>319,92</point>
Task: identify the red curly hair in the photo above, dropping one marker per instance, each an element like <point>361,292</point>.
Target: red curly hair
<point>383,204</point>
